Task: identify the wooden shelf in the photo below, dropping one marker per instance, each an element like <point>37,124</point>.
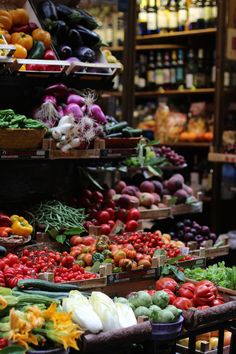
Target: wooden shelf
<point>177,34</point>
<point>202,91</point>
<point>175,92</point>
<point>223,158</point>
<point>189,145</point>
<point>147,47</point>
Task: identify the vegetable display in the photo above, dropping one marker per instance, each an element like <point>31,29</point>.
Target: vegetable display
<point>155,307</point>
<point>10,120</point>
<point>32,321</point>
<point>190,230</point>
<point>200,295</point>
<point>14,225</point>
<point>54,215</point>
<point>30,264</point>
<point>218,273</point>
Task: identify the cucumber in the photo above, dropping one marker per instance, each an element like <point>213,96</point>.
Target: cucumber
<point>116,128</point>
<point>131,133</point>
<point>45,285</point>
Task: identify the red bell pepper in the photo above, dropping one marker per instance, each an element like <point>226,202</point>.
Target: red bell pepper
<point>205,293</point>
<point>182,303</point>
<point>187,290</point>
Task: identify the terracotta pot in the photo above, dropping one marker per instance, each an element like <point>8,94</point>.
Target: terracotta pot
<point>49,351</point>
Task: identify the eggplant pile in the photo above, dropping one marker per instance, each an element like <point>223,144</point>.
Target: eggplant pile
<point>72,31</point>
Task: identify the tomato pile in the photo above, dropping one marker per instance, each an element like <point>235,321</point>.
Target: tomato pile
<point>31,263</point>
<point>201,295</point>
<point>148,243</point>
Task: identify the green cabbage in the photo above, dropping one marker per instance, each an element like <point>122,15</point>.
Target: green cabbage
<point>161,299</point>
<point>142,311</point>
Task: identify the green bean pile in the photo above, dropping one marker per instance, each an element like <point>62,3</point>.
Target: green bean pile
<point>56,216</point>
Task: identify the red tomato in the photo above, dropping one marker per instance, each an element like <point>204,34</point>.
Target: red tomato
<point>103,217</point>
<point>111,212</point>
<point>131,226</point>
<point>88,240</point>
<point>105,229</point>
<point>182,303</point>
<point>97,196</point>
<point>12,258</point>
<point>111,223</point>
<point>3,343</point>
<point>166,283</point>
<point>133,214</point>
<point>76,240</point>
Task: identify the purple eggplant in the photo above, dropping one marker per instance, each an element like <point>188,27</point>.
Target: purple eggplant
<point>85,54</point>
<point>64,52</point>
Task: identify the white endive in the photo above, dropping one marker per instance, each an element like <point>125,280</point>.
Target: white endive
<point>106,310</point>
<point>82,312</point>
<point>126,315</point>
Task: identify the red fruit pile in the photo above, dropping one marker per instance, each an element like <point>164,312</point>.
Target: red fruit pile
<point>201,295</point>
<point>31,263</point>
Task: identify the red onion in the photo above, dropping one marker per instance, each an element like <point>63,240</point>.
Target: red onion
<point>75,110</point>
<point>75,99</point>
<point>97,114</point>
<point>50,99</point>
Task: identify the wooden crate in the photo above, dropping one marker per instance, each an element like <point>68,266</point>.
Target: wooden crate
<point>154,214</point>
<point>111,143</point>
<point>96,283</point>
<point>181,209</point>
<point>210,251</point>
<point>204,349</point>
<point>193,263</point>
<point>21,138</point>
<point>74,154</point>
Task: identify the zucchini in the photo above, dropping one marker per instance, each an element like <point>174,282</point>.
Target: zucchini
<point>116,128</point>
<point>34,299</point>
<point>52,295</point>
<point>131,133</point>
<point>45,285</point>
<point>115,135</point>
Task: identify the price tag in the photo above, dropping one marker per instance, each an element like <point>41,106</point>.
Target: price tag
<point>184,251</point>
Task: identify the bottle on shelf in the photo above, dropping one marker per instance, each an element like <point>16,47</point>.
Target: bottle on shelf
<point>142,18</point>
<point>142,83</point>
<point>159,71</point>
<point>214,12</point>
<point>180,74</point>
<point>196,13</point>
<point>166,71</point>
<point>208,13</point>
<point>162,16</point>
<point>200,77</point>
<point>201,18</point>
<point>173,70</point>
<point>152,17</point>
<point>182,15</point>
<point>173,16</point>
<point>212,66</point>
<point>190,70</point>
<point>151,73</point>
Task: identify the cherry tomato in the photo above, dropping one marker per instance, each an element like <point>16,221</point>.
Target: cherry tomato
<point>105,229</point>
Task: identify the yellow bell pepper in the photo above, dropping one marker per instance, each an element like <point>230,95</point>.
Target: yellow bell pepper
<point>20,226</point>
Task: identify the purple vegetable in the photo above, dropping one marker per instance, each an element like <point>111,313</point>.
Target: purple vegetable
<point>199,238</point>
<point>50,99</point>
<point>213,237</point>
<point>97,114</point>
<point>80,101</point>
<point>58,90</point>
<point>75,110</point>
<point>205,230</point>
<point>72,60</point>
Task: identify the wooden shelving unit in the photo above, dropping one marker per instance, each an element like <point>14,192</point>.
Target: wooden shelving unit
<point>148,47</point>
<point>202,91</point>
<point>223,158</point>
<point>190,144</point>
<point>200,32</point>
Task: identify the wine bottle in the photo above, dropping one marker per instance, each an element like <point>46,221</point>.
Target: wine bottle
<point>173,70</point>
<point>151,73</point>
<point>173,16</point>
<point>193,15</point>
<point>201,20</point>
<point>208,13</point>
<point>200,77</point>
<point>214,12</point>
<point>190,70</point>
<point>142,72</point>
<point>166,71</point>
<point>159,71</point>
<point>151,17</point>
<point>180,68</point>
<point>182,15</point>
<point>162,17</point>
<point>142,18</point>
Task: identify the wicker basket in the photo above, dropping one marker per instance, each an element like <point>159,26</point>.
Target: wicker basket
<point>14,241</point>
<point>21,138</point>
